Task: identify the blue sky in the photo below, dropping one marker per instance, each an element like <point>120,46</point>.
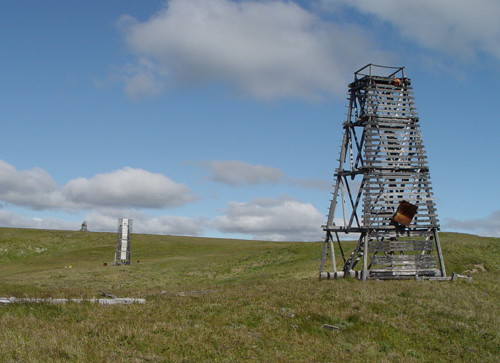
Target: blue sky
<point>223,118</point>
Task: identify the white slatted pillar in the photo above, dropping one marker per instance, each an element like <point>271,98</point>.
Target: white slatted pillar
<point>122,252</point>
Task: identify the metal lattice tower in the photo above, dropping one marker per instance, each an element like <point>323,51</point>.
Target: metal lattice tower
<point>382,185</point>
<point>122,251</point>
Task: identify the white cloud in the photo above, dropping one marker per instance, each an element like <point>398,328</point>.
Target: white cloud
<point>141,80</point>
<point>458,27</point>
<point>177,225</point>
<point>34,188</point>
<point>275,219</point>
<point>107,220</point>
<point>14,220</point>
<point>489,226</point>
<point>235,172</point>
<point>127,187</point>
<point>267,49</point>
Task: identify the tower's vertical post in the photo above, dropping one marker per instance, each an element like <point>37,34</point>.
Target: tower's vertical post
<point>328,245</point>
<point>332,254</point>
<point>439,252</point>
<point>364,273</point>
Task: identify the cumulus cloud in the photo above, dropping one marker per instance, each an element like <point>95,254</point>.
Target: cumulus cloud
<point>235,172</point>
<point>458,27</point>
<point>275,219</point>
<point>14,220</point>
<point>267,49</point>
<point>106,220</point>
<point>489,226</point>
<point>34,188</point>
<point>141,80</point>
<point>177,225</point>
<point>127,187</point>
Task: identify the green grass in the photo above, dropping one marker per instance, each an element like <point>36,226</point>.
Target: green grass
<point>235,300</point>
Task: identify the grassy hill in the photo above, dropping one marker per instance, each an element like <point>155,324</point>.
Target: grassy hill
<point>235,300</point>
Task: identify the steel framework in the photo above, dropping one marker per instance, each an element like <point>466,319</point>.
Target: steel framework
<point>382,185</point>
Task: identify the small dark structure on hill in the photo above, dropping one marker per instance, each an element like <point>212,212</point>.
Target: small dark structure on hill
<point>382,185</point>
<point>122,251</point>
<point>84,227</point>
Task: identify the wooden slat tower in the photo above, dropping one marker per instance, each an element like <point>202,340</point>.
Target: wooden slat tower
<point>382,185</point>
<point>122,250</point>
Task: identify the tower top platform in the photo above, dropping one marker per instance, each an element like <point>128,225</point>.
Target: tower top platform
<point>375,70</point>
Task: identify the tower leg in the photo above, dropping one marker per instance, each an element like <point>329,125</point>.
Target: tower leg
<point>323,256</point>
<point>328,244</point>
<point>332,254</point>
<point>439,252</point>
<point>364,273</point>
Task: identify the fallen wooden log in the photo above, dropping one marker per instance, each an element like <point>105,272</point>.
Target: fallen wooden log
<point>114,301</point>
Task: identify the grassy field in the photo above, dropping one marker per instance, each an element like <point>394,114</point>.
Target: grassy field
<point>215,300</point>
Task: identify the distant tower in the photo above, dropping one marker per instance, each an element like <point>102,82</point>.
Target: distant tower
<point>122,252</point>
<point>84,227</point>
<point>382,185</point>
